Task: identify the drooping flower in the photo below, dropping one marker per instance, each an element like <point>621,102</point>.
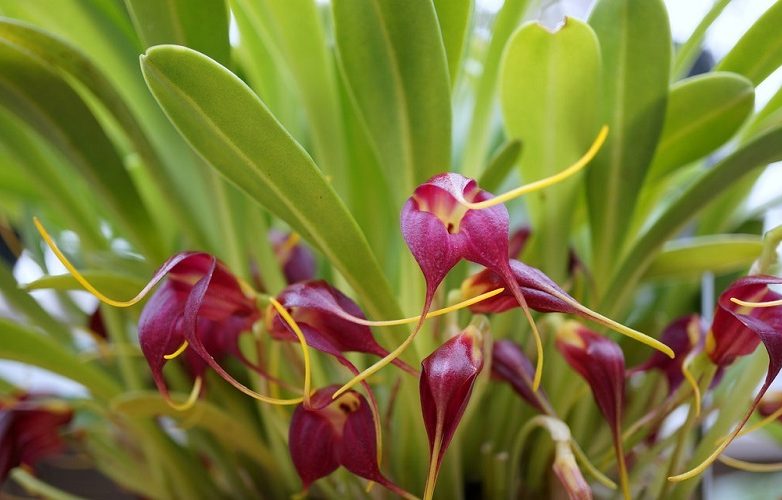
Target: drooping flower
<point>739,325</point>
<point>447,379</point>
<point>600,362</point>
<point>327,317</point>
<point>30,431</point>
<point>509,364</point>
<point>543,295</point>
<point>326,434</point>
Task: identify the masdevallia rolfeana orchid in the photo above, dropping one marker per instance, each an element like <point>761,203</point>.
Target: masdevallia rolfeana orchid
<point>200,310</point>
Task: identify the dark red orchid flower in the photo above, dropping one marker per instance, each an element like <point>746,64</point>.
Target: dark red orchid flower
<point>736,330</point>
<point>684,335</point>
<point>29,431</point>
<point>328,319</point>
<point>297,261</point>
<point>509,364</point>
<point>447,379</point>
<point>601,363</point>
<point>224,313</point>
<point>326,434</point>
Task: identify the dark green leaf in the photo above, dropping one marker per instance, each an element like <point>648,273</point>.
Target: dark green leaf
<point>759,52</point>
<point>454,18</point>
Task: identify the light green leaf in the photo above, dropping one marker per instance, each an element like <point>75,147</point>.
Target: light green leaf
<point>691,257</point>
<point>232,129</point>
<point>454,18</point>
<point>687,54</point>
<point>204,415</point>
<point>759,52</point>
<point>636,52</point>
<point>703,113</point>
<point>394,62</point>
<point>56,112</point>
<point>122,286</point>
<point>549,89</point>
<point>478,140</point>
<point>712,183</point>
<point>201,25</point>
<point>500,165</point>
<point>23,344</point>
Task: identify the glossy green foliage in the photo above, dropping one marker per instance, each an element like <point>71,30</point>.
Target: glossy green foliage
<point>759,52</point>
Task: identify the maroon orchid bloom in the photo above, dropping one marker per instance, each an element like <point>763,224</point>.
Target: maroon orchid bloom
<point>685,336</point>
<point>509,364</point>
<point>601,363</point>
<point>329,320</point>
<point>29,431</point>
<point>741,322</point>
<point>326,434</point>
<point>224,313</point>
<point>447,379</point>
<point>297,261</point>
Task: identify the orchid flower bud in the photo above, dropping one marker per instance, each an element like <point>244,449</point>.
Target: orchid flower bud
<point>508,363</point>
<point>29,431</point>
<point>326,434</point>
<point>447,379</point>
<point>601,363</point>
<point>327,317</point>
<point>297,261</point>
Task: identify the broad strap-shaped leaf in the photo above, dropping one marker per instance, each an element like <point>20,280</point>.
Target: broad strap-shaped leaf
<point>712,183</point>
<point>759,52</point>
<point>688,52</point>
<point>478,140</point>
<point>636,52</point>
<point>703,112</point>
<point>63,57</point>
<point>454,18</point>
<point>549,90</point>
<point>395,66</point>
<point>231,128</point>
<point>48,104</point>
<point>199,24</point>
<point>691,257</point>
<point>26,345</point>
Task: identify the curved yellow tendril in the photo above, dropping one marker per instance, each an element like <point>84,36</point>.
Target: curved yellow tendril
<point>548,181</point>
<point>179,350</point>
<point>749,466</point>
<point>81,279</point>
<point>191,400</point>
<point>431,314</point>
<point>758,425</point>
<point>752,305</point>
<point>305,352</point>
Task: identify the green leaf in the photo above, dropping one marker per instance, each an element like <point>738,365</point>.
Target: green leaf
<point>759,52</point>
<point>201,25</point>
<point>687,54</point>
<point>712,183</point>
<point>500,166</point>
<point>394,63</point>
<point>23,344</point>
<point>454,18</point>
<point>112,284</point>
<point>49,105</point>
<point>636,52</point>
<point>549,87</point>
<point>204,415</point>
<point>703,113</point>
<point>691,257</point>
<point>479,136</point>
<point>232,129</point>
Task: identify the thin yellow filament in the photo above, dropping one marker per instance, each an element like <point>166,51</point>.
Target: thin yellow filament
<point>693,383</point>
<point>291,241</point>
<point>752,305</point>
<point>191,400</point>
<point>431,314</point>
<point>706,463</point>
<point>767,420</point>
<point>431,478</point>
<point>589,466</point>
<point>179,351</point>
<point>624,479</point>
<point>749,466</point>
<point>305,352</point>
<point>538,347</point>
<point>548,181</point>
<point>81,279</point>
